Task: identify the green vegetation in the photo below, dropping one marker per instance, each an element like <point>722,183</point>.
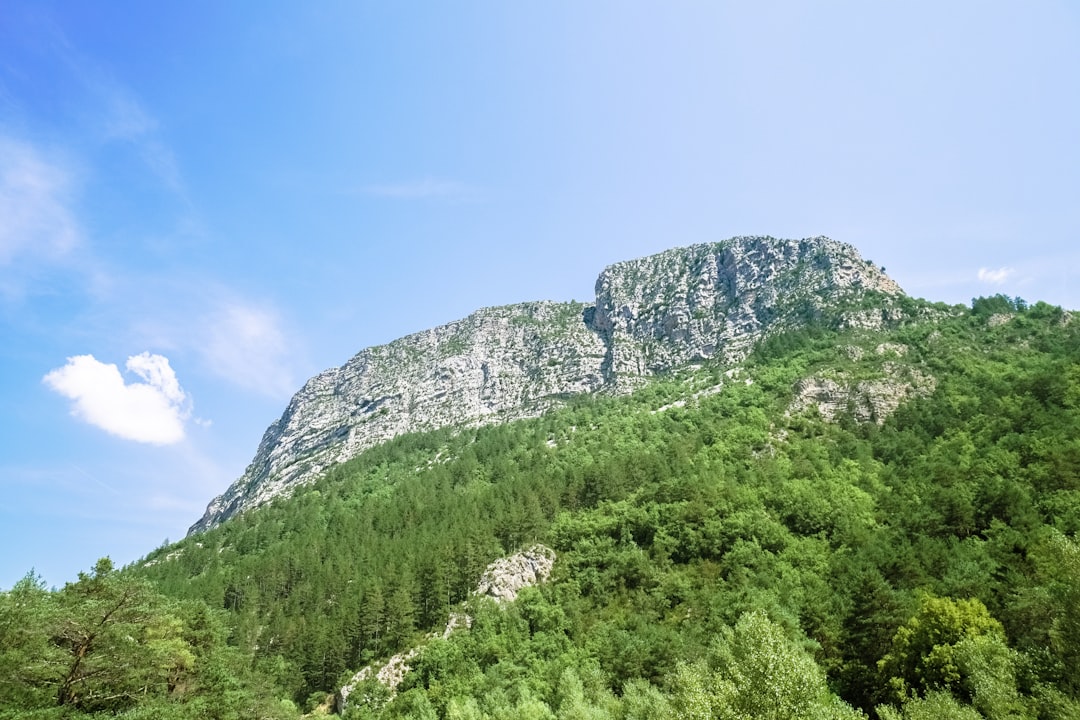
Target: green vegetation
<point>110,644</point>
<point>718,559</point>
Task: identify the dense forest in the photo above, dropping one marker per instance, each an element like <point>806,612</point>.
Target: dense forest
<point>720,555</point>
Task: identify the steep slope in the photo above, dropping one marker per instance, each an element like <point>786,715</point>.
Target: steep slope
<point>824,507</point>
<point>497,364</point>
<point>651,315</point>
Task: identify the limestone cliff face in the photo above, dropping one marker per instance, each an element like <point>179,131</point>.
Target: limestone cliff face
<point>495,365</point>
<point>651,315</point>
<point>691,304</point>
<point>869,399</point>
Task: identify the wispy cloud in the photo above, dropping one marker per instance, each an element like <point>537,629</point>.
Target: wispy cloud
<point>94,479</point>
<point>123,116</point>
<point>426,188</point>
<point>151,411</point>
<point>41,231</point>
<point>162,162</point>
<point>244,344</point>
<point>125,119</point>
<point>995,277</point>
<point>114,112</point>
<point>35,194</point>
<point>236,337</point>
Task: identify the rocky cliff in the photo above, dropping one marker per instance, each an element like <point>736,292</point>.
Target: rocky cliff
<point>650,316</point>
<point>869,399</point>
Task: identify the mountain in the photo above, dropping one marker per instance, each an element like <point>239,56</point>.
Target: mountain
<point>651,316</point>
<point>872,513</point>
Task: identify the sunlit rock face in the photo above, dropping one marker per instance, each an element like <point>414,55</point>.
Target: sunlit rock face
<point>868,400</point>
<point>651,315</point>
<point>717,300</point>
<point>506,577</point>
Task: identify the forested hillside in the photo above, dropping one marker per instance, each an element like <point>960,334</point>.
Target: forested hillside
<point>724,551</point>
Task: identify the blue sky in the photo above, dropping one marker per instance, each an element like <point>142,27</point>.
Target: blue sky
<point>202,203</point>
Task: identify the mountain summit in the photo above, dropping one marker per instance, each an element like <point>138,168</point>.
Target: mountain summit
<point>651,315</point>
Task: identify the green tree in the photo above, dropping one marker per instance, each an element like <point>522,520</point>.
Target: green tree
<point>372,622</point>
<point>937,705</point>
<point>755,671</point>
<point>400,617</point>
<point>1065,599</point>
<point>26,653</point>
<point>109,643</point>
<point>642,701</point>
<point>936,649</point>
<point>119,642</point>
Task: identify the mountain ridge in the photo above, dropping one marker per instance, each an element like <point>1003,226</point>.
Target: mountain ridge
<point>651,315</point>
<point>818,504</point>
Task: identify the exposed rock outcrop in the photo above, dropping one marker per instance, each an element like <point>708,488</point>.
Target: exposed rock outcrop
<point>389,675</point>
<point>868,400</point>
<point>504,578</point>
<point>651,315</point>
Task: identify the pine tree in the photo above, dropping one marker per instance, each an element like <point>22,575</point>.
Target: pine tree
<point>372,622</point>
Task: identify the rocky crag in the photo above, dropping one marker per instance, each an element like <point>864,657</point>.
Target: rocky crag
<point>868,399</point>
<point>651,315</point>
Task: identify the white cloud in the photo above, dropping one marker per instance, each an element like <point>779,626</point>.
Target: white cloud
<point>34,216</point>
<point>152,411</point>
<point>995,277</point>
<point>245,345</point>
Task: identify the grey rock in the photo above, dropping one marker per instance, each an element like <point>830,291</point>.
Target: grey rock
<point>651,315</point>
<point>496,365</point>
<point>504,578</point>
<point>870,400</point>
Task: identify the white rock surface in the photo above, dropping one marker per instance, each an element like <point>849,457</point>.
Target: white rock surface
<point>504,578</point>
<point>651,315</point>
<point>872,400</point>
